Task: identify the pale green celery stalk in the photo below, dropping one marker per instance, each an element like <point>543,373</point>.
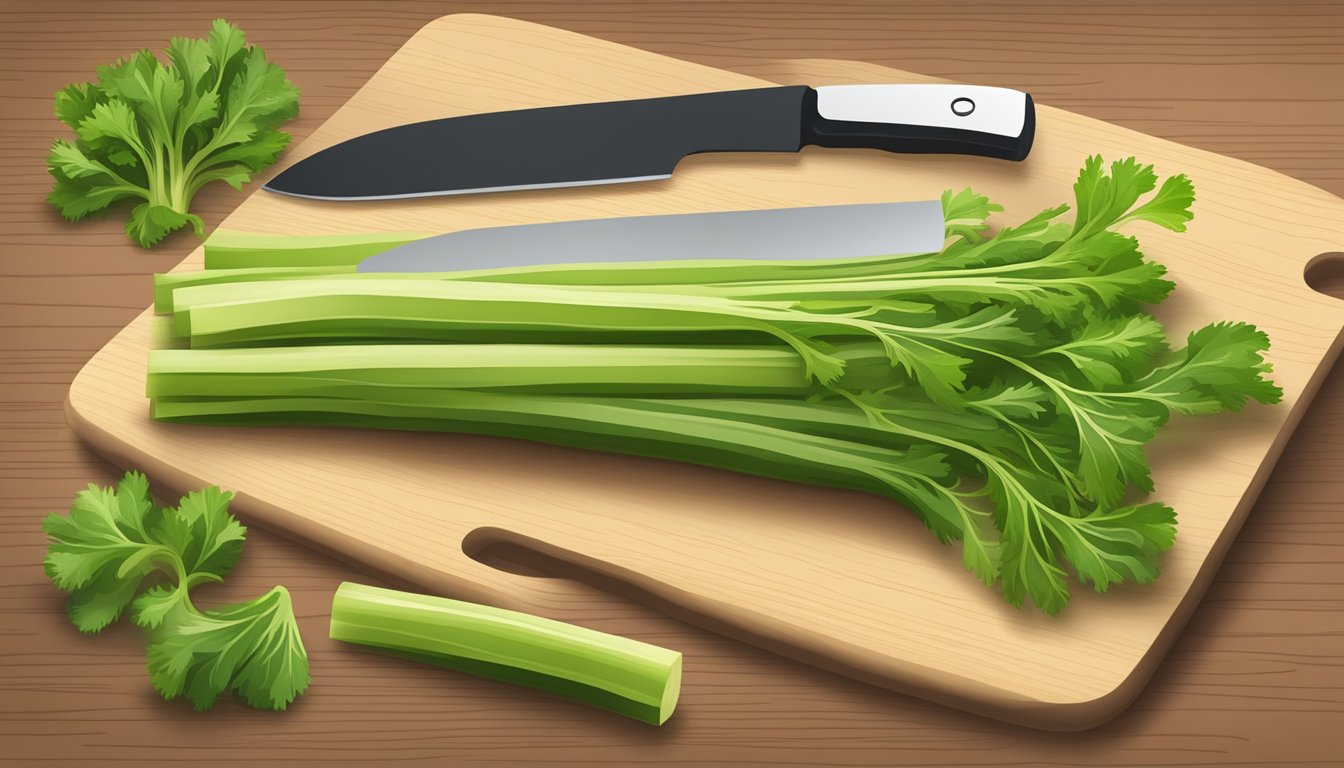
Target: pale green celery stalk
<point>167,282</point>
<point>968,287</point>
<point>632,678</point>
<point>348,310</point>
<point>1008,268</point>
<point>664,277</point>
<point>399,371</point>
<point>351,311</point>
<point>218,315</point>
<point>1015,282</point>
<point>575,276</point>
<point>661,277</point>
<point>820,443</point>
<point>227,249</point>
<point>919,477</point>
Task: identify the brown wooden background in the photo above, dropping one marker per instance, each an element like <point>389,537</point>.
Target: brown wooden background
<point>1257,678</point>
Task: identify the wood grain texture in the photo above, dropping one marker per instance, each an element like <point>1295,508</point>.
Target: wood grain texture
<point>1255,680</point>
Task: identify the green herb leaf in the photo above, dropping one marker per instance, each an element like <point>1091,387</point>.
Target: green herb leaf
<point>112,540</point>
<point>252,647</point>
<point>207,538</point>
<point>159,132</point>
<point>102,551</point>
<point>1171,206</point>
<point>966,214</point>
<point>1110,547</point>
<point>1101,199</point>
<point>1220,368</point>
<point>1110,350</point>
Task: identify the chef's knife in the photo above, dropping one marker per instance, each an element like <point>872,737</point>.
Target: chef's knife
<point>642,140</point>
<point>816,232</point>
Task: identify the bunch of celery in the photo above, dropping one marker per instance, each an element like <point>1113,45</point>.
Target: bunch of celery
<point>1003,388</point>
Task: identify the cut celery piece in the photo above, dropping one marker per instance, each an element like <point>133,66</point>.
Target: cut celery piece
<point>632,678</point>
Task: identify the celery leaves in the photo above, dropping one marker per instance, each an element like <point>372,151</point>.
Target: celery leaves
<point>157,133</point>
<point>252,647</point>
<point>114,539</point>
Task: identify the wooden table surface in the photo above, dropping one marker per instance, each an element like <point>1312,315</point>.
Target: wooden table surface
<point>1257,678</point>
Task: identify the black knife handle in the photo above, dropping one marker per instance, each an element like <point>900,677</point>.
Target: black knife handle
<point>921,118</point>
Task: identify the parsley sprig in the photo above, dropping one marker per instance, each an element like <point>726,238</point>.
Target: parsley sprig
<point>115,540</point>
<point>157,133</point>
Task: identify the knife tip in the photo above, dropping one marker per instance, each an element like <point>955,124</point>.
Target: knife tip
<point>271,186</point>
<point>286,182</point>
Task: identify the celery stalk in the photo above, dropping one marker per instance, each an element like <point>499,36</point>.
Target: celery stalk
<point>222,315</point>
<point>317,310</point>
<point>635,679</point>
<point>227,249</point>
<point>386,371</point>
<point>917,475</point>
<point>168,282</point>
<point>664,277</point>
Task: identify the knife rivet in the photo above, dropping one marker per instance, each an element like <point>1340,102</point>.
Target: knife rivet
<point>962,106</point>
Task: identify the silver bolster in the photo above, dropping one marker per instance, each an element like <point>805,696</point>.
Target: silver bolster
<point>1001,111</point>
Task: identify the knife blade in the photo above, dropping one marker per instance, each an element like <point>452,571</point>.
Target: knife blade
<point>816,232</point>
<point>644,139</point>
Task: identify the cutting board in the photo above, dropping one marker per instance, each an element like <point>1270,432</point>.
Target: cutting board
<point>847,581</point>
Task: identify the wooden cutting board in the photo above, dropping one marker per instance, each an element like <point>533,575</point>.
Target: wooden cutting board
<point>846,581</point>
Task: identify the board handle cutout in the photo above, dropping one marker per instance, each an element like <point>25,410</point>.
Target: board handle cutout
<point>1325,274</point>
<point>521,573</point>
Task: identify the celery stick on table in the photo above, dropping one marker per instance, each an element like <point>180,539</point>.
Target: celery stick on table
<point>636,679</point>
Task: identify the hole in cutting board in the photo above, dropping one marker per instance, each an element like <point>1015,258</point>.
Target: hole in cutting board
<point>1325,274</point>
<point>508,552</point>
<point>509,557</point>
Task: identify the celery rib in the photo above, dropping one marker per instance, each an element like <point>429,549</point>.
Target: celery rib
<point>228,249</point>
<point>382,370</point>
<point>632,678</point>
